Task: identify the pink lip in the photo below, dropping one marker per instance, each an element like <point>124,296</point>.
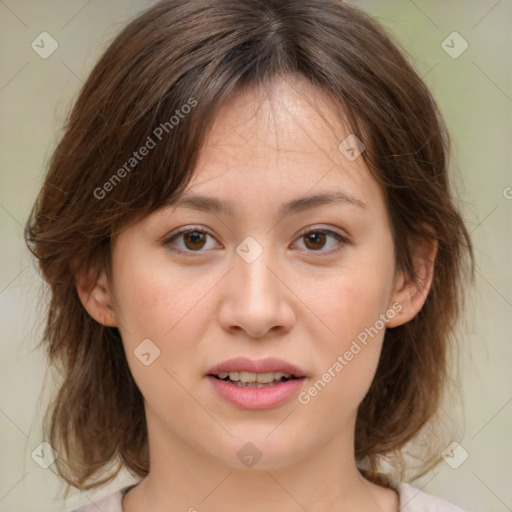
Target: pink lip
<point>256,398</point>
<point>269,364</point>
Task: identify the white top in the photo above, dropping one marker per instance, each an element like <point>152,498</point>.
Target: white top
<point>410,499</point>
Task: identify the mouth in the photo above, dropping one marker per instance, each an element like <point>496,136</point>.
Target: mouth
<point>245,379</point>
<point>256,384</point>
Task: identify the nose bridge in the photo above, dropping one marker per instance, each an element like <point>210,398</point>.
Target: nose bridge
<point>256,302</point>
<point>257,283</point>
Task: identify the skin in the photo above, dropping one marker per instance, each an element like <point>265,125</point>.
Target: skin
<point>293,302</point>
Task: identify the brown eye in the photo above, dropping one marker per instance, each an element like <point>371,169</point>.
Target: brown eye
<point>315,240</point>
<point>189,240</point>
<point>194,240</point>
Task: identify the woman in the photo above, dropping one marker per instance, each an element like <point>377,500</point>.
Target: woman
<point>255,263</point>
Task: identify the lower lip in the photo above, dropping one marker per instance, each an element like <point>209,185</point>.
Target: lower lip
<point>256,398</point>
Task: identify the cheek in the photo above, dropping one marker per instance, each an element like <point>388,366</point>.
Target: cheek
<point>155,299</point>
<point>164,307</point>
<point>353,302</point>
<point>351,306</point>
<point>354,317</point>
<point>347,360</point>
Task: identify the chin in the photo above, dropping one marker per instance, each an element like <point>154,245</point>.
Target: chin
<point>256,452</point>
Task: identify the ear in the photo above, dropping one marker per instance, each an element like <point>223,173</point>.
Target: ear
<point>411,294</point>
<point>93,290</point>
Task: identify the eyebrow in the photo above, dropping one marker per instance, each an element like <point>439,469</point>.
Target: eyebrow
<point>301,204</point>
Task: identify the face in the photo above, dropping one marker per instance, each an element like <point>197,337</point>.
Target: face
<point>310,286</point>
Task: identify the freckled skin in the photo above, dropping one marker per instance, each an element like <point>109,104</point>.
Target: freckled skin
<point>292,302</point>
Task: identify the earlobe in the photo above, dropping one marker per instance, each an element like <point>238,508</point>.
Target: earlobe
<point>93,291</point>
<point>411,293</point>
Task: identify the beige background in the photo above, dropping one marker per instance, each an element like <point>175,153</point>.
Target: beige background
<point>475,95</point>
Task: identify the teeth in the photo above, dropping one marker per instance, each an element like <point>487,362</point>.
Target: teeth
<point>245,377</point>
<point>261,378</point>
<point>265,378</point>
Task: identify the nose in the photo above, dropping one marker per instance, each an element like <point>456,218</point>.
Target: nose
<point>257,299</point>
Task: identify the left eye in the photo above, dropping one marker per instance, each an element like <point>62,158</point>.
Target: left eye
<point>195,239</point>
<point>317,237</point>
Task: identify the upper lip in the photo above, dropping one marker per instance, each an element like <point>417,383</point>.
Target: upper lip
<point>269,364</point>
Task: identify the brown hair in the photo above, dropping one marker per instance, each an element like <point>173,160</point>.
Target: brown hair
<point>200,52</point>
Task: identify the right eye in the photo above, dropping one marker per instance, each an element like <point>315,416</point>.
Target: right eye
<point>192,239</point>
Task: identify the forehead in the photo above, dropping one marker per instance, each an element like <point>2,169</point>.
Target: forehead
<point>275,145</point>
<point>288,118</point>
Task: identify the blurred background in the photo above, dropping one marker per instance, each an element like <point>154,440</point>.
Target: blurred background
<point>462,49</point>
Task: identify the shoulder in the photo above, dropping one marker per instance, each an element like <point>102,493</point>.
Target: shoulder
<point>109,503</point>
<point>412,499</point>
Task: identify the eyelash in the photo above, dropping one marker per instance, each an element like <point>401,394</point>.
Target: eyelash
<point>343,241</point>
